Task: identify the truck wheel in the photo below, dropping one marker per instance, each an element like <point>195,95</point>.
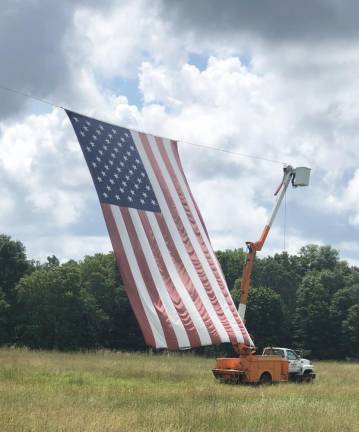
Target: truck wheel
<point>307,377</point>
<point>265,378</point>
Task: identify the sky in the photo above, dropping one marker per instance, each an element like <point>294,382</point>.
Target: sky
<point>275,79</point>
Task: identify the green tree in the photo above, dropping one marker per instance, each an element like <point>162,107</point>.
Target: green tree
<point>282,273</point>
<point>350,328</point>
<point>265,318</point>
<point>340,306</point>
<point>117,328</point>
<point>51,262</point>
<point>13,265</point>
<point>52,311</point>
<point>232,262</point>
<point>314,329</point>
<point>4,306</point>
<point>314,257</point>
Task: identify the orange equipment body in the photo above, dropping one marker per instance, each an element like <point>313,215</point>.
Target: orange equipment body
<point>251,369</point>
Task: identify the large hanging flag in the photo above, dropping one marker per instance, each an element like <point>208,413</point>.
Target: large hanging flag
<point>171,274</point>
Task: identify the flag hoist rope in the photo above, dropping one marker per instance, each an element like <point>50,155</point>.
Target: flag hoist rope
<point>29,96</point>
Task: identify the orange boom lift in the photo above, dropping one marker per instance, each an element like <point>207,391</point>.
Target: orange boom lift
<point>249,367</point>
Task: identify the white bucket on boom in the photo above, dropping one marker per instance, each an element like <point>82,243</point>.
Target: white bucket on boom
<point>302,176</point>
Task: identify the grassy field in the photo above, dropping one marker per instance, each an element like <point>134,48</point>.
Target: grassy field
<point>105,392</point>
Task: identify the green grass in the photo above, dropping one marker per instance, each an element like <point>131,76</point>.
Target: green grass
<point>41,391</point>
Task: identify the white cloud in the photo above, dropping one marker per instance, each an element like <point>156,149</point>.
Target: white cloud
<point>351,198</point>
<point>114,41</point>
<point>68,246</point>
<point>39,162</point>
<point>347,200</point>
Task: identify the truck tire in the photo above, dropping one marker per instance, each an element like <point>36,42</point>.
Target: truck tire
<point>265,378</point>
<point>307,377</point>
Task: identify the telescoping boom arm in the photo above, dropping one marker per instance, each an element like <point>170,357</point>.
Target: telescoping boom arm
<point>299,177</point>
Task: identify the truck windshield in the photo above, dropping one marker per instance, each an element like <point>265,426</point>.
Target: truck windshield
<point>292,355</point>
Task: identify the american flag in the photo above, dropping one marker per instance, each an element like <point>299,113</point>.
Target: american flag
<point>171,274</point>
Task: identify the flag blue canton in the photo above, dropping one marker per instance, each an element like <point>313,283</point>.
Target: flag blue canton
<point>114,163</point>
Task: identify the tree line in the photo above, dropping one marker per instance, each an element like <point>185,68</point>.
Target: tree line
<point>307,301</point>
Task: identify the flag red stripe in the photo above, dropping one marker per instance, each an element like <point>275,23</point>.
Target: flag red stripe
<point>169,333</point>
<point>175,297</point>
<point>194,226</point>
<point>130,285</point>
<point>174,146</point>
<point>187,281</point>
<point>214,266</point>
<point>185,239</point>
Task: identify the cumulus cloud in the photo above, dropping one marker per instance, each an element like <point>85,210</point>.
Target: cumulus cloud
<point>39,161</point>
<point>68,246</point>
<point>114,41</point>
<point>348,200</point>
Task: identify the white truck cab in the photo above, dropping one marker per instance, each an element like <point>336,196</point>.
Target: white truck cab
<point>299,369</point>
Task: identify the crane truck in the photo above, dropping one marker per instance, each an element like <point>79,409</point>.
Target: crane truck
<point>275,364</point>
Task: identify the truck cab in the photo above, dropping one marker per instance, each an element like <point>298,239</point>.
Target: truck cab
<point>299,369</point>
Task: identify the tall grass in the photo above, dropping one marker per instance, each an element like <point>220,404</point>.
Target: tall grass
<point>105,392</point>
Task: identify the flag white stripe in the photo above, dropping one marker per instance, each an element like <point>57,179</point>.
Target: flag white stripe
<point>169,150</point>
<point>167,302</point>
<point>195,243</point>
<point>214,282</point>
<point>152,317</point>
<point>177,239</point>
<point>177,281</point>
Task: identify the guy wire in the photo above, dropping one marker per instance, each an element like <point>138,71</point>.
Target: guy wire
<point>21,93</point>
<point>285,222</point>
<point>27,95</point>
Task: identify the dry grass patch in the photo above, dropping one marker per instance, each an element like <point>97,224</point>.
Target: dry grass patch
<point>110,392</point>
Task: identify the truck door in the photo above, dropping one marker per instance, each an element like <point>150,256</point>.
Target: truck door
<point>294,364</point>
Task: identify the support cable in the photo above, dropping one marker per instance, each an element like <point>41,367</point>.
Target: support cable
<point>29,96</point>
<point>285,222</point>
